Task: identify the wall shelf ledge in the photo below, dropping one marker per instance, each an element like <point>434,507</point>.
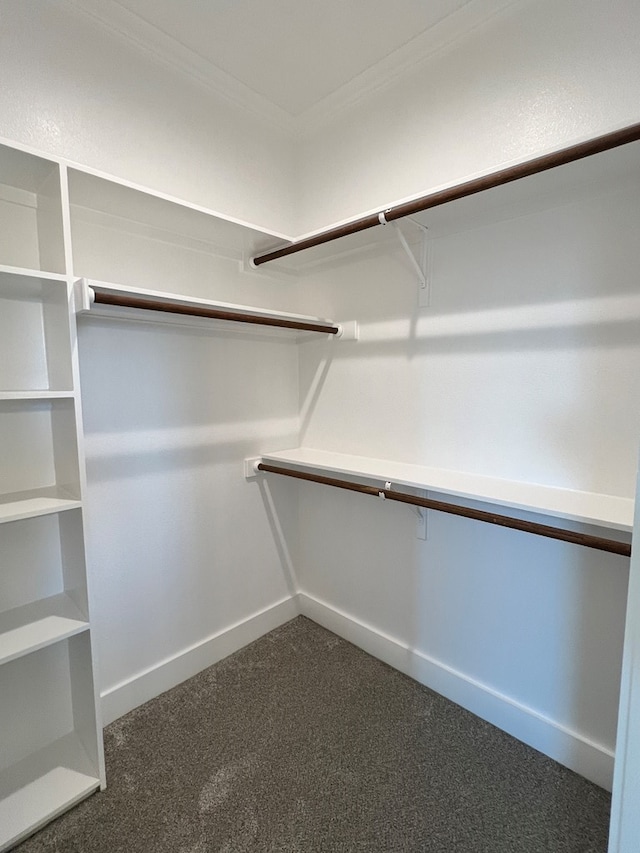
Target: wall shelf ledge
<point>610,512</point>
<point>113,300</point>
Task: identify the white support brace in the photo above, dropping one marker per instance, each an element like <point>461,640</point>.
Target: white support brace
<point>421,266</point>
<point>422,518</point>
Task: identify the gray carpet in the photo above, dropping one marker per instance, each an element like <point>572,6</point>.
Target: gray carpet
<point>301,742</point>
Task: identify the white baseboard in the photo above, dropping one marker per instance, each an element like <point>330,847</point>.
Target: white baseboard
<point>146,685</point>
<point>592,760</point>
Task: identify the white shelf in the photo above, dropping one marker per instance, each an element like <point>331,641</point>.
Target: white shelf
<point>36,395</point>
<point>608,511</point>
<point>85,305</point>
<point>605,173</point>
<point>31,273</point>
<point>98,199</point>
<point>31,504</point>
<point>26,629</point>
<point>43,786</point>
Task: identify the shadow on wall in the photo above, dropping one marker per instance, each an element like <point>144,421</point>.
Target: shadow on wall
<point>162,376</point>
<point>313,372</point>
<point>572,252</point>
<point>545,394</point>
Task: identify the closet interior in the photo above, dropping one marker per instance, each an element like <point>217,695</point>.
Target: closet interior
<point>78,247</point>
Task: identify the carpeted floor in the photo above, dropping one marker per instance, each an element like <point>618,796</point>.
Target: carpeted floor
<point>301,742</point>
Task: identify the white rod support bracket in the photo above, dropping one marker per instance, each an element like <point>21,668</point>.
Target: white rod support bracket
<point>251,467</point>
<point>422,523</point>
<point>421,267</point>
<point>348,331</point>
<point>387,488</point>
<point>83,295</point>
<point>247,265</point>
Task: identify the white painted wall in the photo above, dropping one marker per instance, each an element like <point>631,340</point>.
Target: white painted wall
<point>181,549</point>
<point>540,75</point>
<point>72,89</point>
<point>525,366</point>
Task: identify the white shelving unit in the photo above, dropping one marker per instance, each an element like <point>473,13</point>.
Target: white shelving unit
<point>51,754</point>
<point>50,732</point>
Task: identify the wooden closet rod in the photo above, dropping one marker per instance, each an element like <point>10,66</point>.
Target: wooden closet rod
<point>123,301</point>
<point>487,182</point>
<point>588,540</point>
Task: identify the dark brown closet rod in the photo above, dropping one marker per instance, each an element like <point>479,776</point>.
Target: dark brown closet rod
<point>478,515</point>
<point>106,298</point>
<point>495,179</point>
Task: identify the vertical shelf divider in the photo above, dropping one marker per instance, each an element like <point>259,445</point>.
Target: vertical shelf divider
<point>89,714</point>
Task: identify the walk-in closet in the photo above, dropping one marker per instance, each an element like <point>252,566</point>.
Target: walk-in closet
<point>319,407</point>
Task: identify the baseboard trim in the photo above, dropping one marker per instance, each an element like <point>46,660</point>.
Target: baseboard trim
<point>146,685</point>
<point>592,760</point>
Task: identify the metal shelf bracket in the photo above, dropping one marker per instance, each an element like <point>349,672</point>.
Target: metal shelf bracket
<point>421,263</point>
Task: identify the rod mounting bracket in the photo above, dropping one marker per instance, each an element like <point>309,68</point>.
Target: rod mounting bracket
<point>387,488</point>
<point>251,467</point>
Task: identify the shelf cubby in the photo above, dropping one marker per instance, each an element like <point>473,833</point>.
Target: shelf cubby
<point>38,450</point>
<point>31,233</point>
<point>28,629</point>
<point>43,559</point>
<point>48,757</point>
<point>35,349</point>
<point>42,787</point>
